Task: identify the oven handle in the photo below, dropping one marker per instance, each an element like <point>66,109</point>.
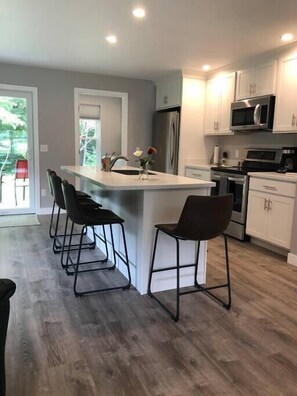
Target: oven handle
<point>215,177</point>
<point>236,180</point>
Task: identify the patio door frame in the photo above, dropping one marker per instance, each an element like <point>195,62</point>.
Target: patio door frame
<point>33,145</point>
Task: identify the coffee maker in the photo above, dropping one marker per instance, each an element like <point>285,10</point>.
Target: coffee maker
<point>289,159</point>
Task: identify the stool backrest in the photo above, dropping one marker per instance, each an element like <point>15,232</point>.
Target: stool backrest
<point>49,182</point>
<point>74,211</point>
<point>56,183</point>
<point>204,217</point>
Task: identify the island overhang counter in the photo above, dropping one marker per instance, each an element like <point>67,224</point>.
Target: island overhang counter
<point>142,204</point>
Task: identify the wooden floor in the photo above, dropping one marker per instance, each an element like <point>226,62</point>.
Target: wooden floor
<point>121,343</point>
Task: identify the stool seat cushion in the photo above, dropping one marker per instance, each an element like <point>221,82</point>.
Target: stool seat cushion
<point>94,217</point>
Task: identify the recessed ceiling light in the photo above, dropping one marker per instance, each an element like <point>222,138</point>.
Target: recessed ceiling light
<point>205,67</point>
<point>287,37</point>
<point>139,12</point>
<point>111,39</point>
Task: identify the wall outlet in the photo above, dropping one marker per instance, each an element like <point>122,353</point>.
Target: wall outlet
<point>43,192</point>
<point>236,153</point>
<point>43,148</point>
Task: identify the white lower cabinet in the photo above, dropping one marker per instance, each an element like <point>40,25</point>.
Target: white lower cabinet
<point>197,173</point>
<point>270,215</point>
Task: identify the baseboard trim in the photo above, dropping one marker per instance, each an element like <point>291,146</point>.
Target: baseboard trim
<point>292,259</point>
<point>266,245</point>
<point>48,211</point>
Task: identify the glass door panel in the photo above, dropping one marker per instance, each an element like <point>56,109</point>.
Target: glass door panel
<point>16,162</point>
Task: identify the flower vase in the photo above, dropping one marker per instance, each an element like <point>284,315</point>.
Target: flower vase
<point>143,172</point>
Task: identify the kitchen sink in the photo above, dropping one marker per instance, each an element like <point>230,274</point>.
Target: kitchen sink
<point>129,172</point>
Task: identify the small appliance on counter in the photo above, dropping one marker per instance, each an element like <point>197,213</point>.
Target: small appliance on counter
<point>289,159</point>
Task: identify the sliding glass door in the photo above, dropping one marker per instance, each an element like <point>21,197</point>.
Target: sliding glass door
<point>17,192</point>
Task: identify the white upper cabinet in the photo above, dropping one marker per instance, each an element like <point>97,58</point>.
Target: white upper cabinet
<point>256,81</point>
<point>219,96</point>
<point>169,92</point>
<point>285,119</point>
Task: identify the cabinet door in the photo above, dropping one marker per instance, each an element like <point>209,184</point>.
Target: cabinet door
<point>202,174</point>
<point>265,79</point>
<point>227,97</point>
<point>256,224</point>
<point>168,94</point>
<point>211,106</point>
<point>280,220</point>
<point>285,119</point>
<point>244,84</point>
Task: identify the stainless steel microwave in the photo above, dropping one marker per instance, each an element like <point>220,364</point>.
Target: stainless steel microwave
<point>254,114</point>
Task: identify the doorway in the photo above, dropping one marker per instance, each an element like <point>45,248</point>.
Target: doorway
<point>17,175</point>
<point>91,138</point>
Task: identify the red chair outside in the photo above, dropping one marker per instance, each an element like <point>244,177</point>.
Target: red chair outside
<point>21,177</point>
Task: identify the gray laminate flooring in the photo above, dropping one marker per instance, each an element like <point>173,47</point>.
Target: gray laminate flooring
<point>121,343</point>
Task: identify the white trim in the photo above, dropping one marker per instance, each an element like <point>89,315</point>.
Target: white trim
<point>98,92</point>
<point>34,92</point>
<point>292,259</point>
<point>48,211</point>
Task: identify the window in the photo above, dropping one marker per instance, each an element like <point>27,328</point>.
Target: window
<point>89,145</point>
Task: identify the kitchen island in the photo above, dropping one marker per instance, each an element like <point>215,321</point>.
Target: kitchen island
<point>142,204</point>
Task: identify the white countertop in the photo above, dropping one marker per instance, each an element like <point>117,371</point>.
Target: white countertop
<point>287,177</point>
<point>117,181</point>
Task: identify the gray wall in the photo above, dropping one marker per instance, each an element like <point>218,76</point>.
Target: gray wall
<point>56,110</point>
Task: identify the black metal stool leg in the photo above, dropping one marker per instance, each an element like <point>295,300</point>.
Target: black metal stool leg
<point>51,235</point>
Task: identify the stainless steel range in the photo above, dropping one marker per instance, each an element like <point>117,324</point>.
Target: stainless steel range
<point>236,181</point>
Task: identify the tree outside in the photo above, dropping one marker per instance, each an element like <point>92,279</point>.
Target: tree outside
<point>13,133</point>
<point>88,141</point>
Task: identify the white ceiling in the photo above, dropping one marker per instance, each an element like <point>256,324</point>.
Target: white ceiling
<point>176,34</point>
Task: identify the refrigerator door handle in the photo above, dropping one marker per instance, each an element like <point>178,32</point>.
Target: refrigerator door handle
<point>171,142</point>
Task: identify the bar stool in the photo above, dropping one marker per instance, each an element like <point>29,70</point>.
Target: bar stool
<point>91,217</point>
<point>58,246</point>
<point>202,218</point>
<point>81,194</point>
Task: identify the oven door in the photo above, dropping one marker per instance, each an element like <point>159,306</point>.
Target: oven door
<point>238,186</point>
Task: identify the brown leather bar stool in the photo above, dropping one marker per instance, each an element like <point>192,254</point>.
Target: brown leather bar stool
<point>7,289</point>
<point>202,218</point>
<point>91,217</point>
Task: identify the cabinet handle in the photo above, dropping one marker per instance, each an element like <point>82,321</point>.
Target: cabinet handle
<point>254,88</point>
<point>196,174</point>
<point>214,125</point>
<point>269,187</point>
<point>251,88</point>
<point>293,120</point>
<point>269,204</point>
<point>217,125</point>
<point>265,204</point>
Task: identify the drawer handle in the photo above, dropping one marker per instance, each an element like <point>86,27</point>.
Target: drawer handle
<point>196,174</point>
<point>269,187</point>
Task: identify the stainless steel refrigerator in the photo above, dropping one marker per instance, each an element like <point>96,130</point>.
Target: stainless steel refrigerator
<point>166,141</point>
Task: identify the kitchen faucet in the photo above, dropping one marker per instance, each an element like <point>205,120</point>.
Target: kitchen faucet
<point>114,160</point>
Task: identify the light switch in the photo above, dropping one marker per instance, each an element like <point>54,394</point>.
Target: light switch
<point>43,148</point>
